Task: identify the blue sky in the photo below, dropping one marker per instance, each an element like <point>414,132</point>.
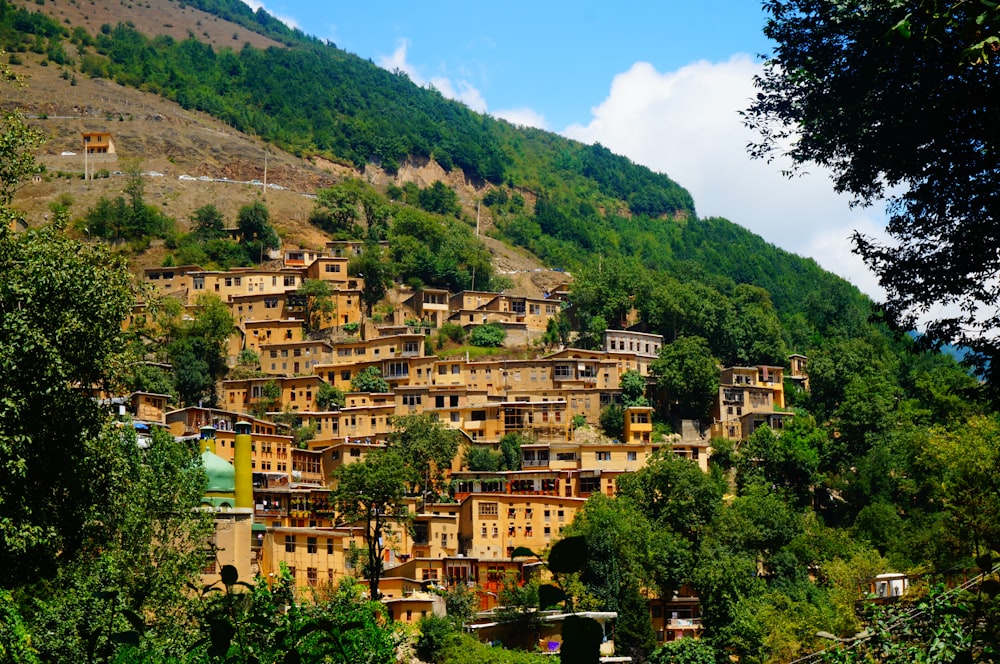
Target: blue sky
<point>658,81</point>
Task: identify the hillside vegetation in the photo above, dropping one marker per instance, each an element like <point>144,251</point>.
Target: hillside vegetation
<point>888,465</point>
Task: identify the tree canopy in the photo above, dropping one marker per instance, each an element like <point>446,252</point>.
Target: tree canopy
<point>896,99</point>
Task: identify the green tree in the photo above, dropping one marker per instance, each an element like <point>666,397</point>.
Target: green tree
<point>688,375</point>
<point>369,379</point>
<point>197,347</point>
<point>510,449</point>
<point>151,378</point>
<point>619,560</point>
<point>377,272</point>
<point>440,199</point>
<point>961,460</point>
<point>752,333</point>
<point>329,397</point>
<point>633,386</point>
<point>836,81</point>
<point>557,330</point>
<point>155,548</point>
<point>427,447</point>
<point>63,303</point>
<point>613,421</point>
<point>609,290</point>
<point>256,233</point>
<point>317,299</point>
<point>209,223</point>
<point>787,460</point>
<point>337,207</point>
<point>17,150</point>
<point>371,492</point>
<point>482,459</point>
<point>674,494</point>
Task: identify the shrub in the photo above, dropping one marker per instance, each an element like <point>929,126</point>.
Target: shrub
<point>452,332</point>
<point>488,335</point>
<point>436,634</point>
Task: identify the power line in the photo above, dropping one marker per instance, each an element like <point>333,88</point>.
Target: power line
<point>899,620</point>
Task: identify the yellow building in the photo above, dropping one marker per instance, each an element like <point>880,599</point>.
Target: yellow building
<point>262,332</point>
<point>259,307</point>
<point>494,524</point>
<point>638,425</point>
<point>294,357</point>
<point>749,397</point>
<point>270,448</point>
<point>313,555</point>
<point>98,142</point>
<point>436,532</point>
<point>294,393</point>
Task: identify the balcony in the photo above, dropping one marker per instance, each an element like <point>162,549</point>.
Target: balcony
<point>684,623</point>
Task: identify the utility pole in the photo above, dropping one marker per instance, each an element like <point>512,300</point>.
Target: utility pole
<point>478,203</point>
<point>265,174</point>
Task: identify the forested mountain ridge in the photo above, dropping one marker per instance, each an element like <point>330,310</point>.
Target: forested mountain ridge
<point>315,100</point>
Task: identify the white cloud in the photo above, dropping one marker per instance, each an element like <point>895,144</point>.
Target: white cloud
<point>287,20</point>
<point>524,117</point>
<point>397,61</point>
<point>685,124</point>
<point>460,90</point>
<point>466,93</point>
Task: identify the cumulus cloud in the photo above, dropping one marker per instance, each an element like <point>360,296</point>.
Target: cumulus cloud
<point>524,117</point>
<point>462,91</point>
<point>287,20</point>
<point>686,124</point>
<point>458,89</point>
<point>396,61</point>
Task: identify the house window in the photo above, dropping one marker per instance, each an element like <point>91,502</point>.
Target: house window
<point>311,576</point>
<point>631,456</point>
<point>488,509</point>
<point>311,545</point>
<point>289,543</point>
<point>603,456</point>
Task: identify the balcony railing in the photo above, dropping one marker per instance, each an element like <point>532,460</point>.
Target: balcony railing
<point>684,623</point>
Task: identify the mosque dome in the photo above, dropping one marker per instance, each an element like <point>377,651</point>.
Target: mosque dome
<point>221,474</point>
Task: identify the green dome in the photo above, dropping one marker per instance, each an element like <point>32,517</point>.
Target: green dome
<point>221,474</point>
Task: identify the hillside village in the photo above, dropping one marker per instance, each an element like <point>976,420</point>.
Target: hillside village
<point>477,385</point>
<point>553,401</point>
